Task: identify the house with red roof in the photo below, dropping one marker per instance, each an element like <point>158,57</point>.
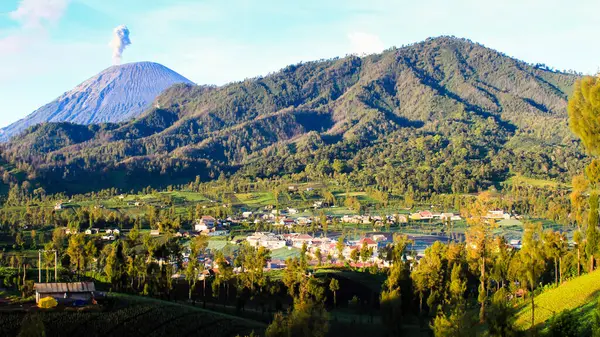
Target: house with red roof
<point>370,243</point>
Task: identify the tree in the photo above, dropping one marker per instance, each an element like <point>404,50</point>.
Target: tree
<point>391,298</point>
<point>113,264</point>
<point>252,261</point>
<point>564,324</point>
<point>19,240</point>
<point>303,251</point>
<point>225,274</point>
<point>355,255</point>
<point>307,319</point>
<point>334,286</point>
<point>391,310</point>
<point>58,238</point>
<point>457,288</point>
<point>338,166</point>
<point>428,276</point>
<point>532,259</point>
<point>478,241</point>
<point>319,256</point>
<point>76,251</point>
<point>592,234</point>
<point>501,315</point>
<point>340,247</point>
<point>197,245</point>
<point>90,253</point>
<point>365,253</point>
<point>578,240</point>
<point>584,112</point>
<point>457,323</point>
<point>577,197</point>
<point>555,247</point>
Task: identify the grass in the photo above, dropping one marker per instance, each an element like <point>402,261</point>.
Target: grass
<point>216,244</point>
<point>257,199</point>
<point>285,253</point>
<point>520,180</point>
<point>189,196</point>
<point>578,294</point>
<point>362,196</point>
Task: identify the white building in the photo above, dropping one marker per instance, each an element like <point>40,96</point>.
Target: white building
<point>497,215</point>
<point>267,240</point>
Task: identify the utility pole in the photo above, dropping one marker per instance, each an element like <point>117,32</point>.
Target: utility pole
<point>55,266</point>
<point>39,266</point>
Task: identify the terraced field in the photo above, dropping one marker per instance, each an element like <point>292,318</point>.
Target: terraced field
<point>131,317</point>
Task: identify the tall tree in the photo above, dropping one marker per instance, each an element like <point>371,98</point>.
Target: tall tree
<point>532,258</point>
<point>76,251</point>
<point>584,112</point>
<point>197,246</point>
<point>334,286</point>
<point>592,234</point>
<point>478,241</point>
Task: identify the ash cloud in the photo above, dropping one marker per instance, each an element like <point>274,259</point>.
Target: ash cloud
<point>119,42</point>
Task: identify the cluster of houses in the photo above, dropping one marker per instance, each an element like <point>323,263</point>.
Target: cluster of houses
<point>427,215</point>
<point>208,225</point>
<point>326,246</point>
<point>283,218</point>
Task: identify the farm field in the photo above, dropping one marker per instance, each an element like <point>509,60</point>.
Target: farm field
<point>579,294</point>
<point>285,253</point>
<point>520,180</point>
<point>130,316</point>
<point>256,199</point>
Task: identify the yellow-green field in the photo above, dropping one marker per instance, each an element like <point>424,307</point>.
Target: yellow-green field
<point>256,199</point>
<point>520,180</point>
<point>580,294</point>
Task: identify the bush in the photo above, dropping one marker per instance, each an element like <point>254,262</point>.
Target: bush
<point>564,324</point>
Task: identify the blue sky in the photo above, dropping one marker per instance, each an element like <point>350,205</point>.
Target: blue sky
<point>49,46</point>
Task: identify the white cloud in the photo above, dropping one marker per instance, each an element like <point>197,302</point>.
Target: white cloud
<point>365,43</point>
<point>36,13</point>
<point>33,17</point>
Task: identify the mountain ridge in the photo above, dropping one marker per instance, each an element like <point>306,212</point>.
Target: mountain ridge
<point>444,107</point>
<point>116,94</point>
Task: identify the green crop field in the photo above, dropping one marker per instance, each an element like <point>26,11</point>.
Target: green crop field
<point>285,253</point>
<point>256,199</point>
<point>131,316</point>
<point>579,294</point>
<point>189,196</point>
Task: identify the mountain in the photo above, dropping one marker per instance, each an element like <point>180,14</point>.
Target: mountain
<point>117,94</point>
<point>443,115</point>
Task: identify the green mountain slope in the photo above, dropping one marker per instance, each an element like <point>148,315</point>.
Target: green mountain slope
<point>442,115</point>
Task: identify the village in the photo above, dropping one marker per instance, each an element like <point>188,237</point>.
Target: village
<point>288,237</point>
<point>321,238</point>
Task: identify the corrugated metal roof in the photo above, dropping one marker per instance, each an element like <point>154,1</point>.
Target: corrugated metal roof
<point>74,287</point>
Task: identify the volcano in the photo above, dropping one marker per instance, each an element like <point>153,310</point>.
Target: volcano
<point>116,94</point>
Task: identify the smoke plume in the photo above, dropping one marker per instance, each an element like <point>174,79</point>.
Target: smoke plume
<point>119,42</point>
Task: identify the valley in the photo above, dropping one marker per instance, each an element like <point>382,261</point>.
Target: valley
<point>440,188</point>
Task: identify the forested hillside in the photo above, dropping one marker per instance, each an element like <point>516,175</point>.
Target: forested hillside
<point>444,115</point>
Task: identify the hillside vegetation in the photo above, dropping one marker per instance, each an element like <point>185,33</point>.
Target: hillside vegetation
<point>578,294</point>
<point>443,115</point>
